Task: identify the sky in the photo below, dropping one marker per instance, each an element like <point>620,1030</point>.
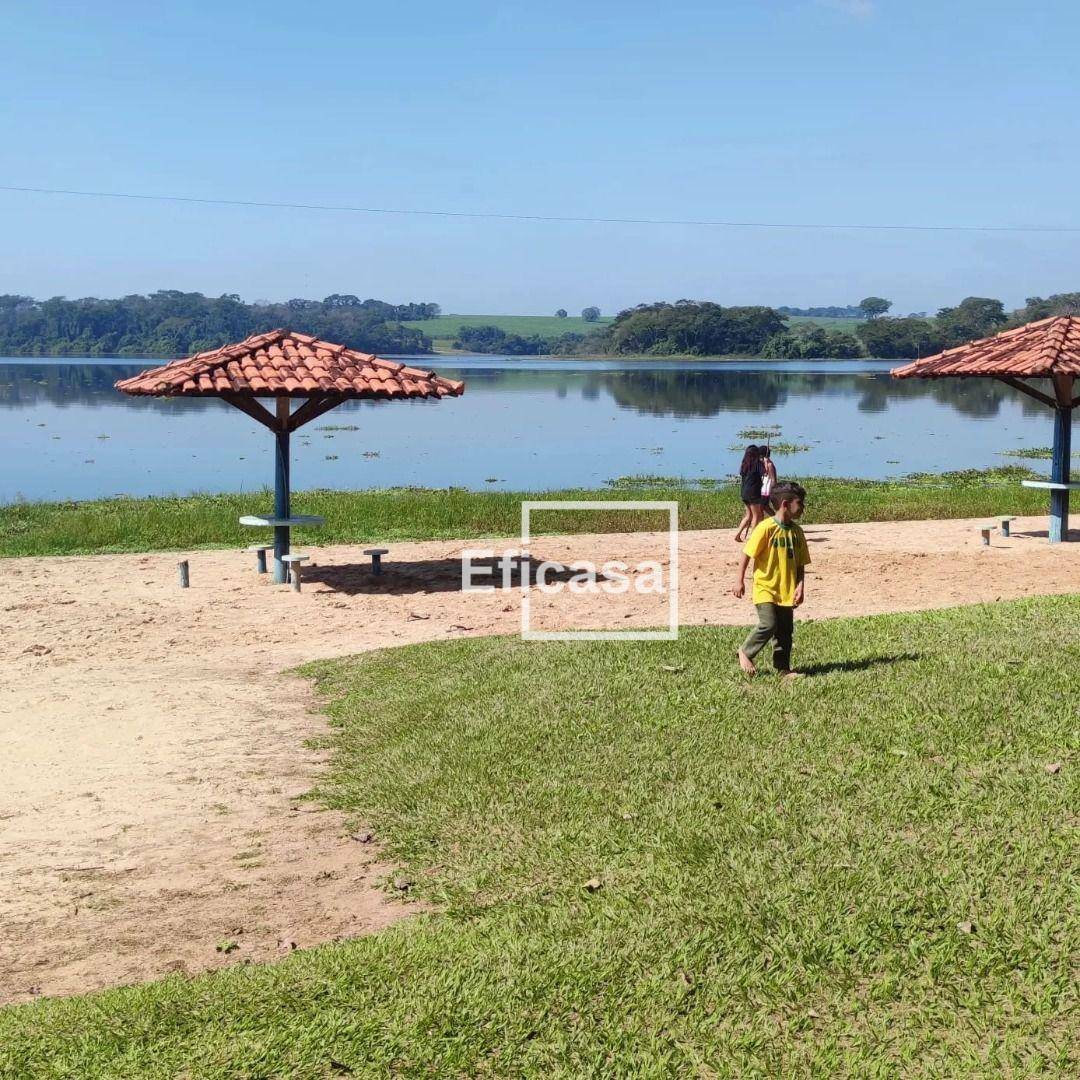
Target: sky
<point>780,111</point>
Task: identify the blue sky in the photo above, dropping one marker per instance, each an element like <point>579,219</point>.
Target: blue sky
<point>862,111</point>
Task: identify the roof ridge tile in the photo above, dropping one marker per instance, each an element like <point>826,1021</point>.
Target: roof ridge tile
<point>283,361</point>
<point>1036,349</point>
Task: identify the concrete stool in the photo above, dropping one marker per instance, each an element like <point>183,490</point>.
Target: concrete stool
<point>294,562</point>
<point>376,558</point>
<point>1004,521</point>
<point>260,555</point>
<point>985,531</point>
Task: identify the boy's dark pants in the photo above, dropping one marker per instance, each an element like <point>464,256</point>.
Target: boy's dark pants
<point>774,622</point>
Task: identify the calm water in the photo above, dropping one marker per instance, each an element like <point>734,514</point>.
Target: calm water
<point>66,434</point>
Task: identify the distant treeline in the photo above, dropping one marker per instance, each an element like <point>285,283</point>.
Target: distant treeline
<point>685,328</point>
<point>493,339</point>
<point>849,311</point>
<point>169,323</point>
<point>693,328</point>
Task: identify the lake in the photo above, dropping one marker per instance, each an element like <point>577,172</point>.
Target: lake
<point>522,423</point>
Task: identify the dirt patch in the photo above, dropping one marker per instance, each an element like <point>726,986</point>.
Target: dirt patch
<point>151,816</point>
<point>154,821</point>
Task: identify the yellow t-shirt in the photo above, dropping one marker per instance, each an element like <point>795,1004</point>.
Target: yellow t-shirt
<point>778,551</point>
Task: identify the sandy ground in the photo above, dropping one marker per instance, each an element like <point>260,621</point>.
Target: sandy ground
<point>153,763</point>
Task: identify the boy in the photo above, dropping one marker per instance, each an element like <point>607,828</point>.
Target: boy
<point>779,551</point>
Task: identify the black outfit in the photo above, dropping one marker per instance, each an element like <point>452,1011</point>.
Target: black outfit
<point>751,485</point>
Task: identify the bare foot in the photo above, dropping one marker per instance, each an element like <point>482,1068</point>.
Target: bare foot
<point>791,675</point>
<point>746,663</point>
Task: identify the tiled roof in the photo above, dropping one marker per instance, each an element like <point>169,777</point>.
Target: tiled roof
<point>286,364</point>
<point>1037,350</point>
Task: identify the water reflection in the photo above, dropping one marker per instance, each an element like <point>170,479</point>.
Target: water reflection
<point>685,393</point>
<point>24,384</point>
<point>977,398</point>
<point>67,433</point>
<point>676,393</point>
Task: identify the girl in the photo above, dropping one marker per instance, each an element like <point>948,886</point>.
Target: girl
<point>751,474</point>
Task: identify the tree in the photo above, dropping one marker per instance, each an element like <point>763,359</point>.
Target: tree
<point>591,314</point>
<point>874,306</point>
<point>694,329</point>
<point>561,313</point>
<point>811,342</point>
<point>900,339</point>
<point>173,323</point>
<point>974,317</point>
<point>831,312</point>
<point>493,339</point>
<point>1036,307</point>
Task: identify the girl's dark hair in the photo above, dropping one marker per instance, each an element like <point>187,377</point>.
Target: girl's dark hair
<point>763,450</point>
<point>748,459</point>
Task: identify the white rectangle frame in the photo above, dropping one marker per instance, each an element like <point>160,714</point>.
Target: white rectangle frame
<point>670,634</point>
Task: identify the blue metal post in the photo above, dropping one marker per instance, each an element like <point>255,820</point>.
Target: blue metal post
<point>1059,473</point>
<point>281,492</point>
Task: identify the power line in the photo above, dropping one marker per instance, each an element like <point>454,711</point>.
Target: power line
<point>486,216</point>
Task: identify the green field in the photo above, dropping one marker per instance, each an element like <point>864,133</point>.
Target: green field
<point>352,517</point>
<point>847,325</point>
<point>446,327</point>
<point>642,865</point>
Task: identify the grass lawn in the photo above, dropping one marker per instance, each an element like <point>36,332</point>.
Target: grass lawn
<point>445,328</point>
<point>825,322</point>
<point>207,521</point>
<point>645,866</point>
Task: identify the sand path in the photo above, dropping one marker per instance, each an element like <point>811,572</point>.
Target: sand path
<point>153,748</point>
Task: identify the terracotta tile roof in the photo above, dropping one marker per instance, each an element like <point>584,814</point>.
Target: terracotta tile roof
<point>1038,350</point>
<point>283,363</point>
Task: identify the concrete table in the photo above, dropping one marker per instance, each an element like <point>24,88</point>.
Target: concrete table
<point>281,527</point>
<point>1059,502</point>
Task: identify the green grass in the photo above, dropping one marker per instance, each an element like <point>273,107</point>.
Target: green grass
<point>777,449</point>
<point>825,322</point>
<point>769,433</point>
<point>445,328</point>
<point>208,521</point>
<point>871,873</point>
<point>1041,453</point>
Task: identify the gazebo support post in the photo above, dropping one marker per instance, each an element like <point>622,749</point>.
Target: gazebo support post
<point>282,423</point>
<point>283,364</point>
<point>281,490</point>
<point>1059,466</point>
<point>1063,404</point>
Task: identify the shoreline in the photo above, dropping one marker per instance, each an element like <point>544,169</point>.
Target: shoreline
<point>729,358</point>
<point>211,521</point>
<point>164,729</point>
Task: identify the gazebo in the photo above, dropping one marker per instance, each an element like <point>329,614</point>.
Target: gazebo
<point>288,367</point>
<point>1047,349</point>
